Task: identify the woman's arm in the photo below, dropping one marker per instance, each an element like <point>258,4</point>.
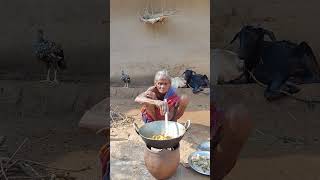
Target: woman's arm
<point>149,97</point>
<point>145,97</point>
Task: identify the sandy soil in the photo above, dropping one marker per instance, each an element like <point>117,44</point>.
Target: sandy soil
<point>127,147</point>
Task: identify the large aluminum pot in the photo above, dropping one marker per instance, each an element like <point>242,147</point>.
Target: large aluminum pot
<point>176,131</point>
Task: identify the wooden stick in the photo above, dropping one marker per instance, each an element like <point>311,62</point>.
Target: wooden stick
<point>24,177</point>
<point>33,170</point>
<point>102,129</point>
<point>70,170</point>
<point>25,140</point>
<point>4,158</point>
<point>260,132</point>
<point>52,177</point>
<point>3,173</point>
<point>292,116</point>
<point>14,163</point>
<point>111,117</point>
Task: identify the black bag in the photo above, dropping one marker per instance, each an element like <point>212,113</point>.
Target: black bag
<point>196,81</point>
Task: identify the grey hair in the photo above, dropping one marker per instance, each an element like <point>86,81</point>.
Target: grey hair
<point>162,74</point>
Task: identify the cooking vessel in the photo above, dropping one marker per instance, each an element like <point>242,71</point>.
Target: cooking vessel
<point>175,130</point>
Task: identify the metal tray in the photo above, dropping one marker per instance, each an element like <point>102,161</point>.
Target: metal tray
<point>195,167</point>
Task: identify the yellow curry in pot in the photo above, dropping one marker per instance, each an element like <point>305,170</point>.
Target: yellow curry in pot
<point>161,137</point>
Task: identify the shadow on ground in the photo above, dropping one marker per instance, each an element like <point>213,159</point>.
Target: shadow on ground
<point>48,117</point>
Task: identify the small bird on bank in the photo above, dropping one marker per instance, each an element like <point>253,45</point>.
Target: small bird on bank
<point>125,78</point>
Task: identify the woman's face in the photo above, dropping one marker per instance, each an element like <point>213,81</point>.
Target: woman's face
<point>163,85</point>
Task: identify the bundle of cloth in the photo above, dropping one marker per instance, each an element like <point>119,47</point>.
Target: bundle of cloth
<point>196,81</point>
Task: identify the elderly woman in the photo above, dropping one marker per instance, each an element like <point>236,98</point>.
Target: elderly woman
<point>153,100</point>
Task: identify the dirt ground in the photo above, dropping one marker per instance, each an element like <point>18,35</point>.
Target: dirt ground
<point>56,140</point>
<point>285,143</point>
<point>127,147</point>
<point>48,117</point>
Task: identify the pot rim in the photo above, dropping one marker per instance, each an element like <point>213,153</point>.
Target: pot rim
<point>187,123</point>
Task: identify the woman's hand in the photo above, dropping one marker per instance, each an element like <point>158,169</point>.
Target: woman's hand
<point>163,106</point>
<point>151,95</point>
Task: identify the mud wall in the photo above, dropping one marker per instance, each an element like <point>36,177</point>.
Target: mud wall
<point>142,49</point>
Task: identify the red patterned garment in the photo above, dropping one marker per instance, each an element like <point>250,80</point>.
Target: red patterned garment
<point>172,99</point>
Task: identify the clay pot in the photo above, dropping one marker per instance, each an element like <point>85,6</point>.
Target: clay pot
<point>163,163</point>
